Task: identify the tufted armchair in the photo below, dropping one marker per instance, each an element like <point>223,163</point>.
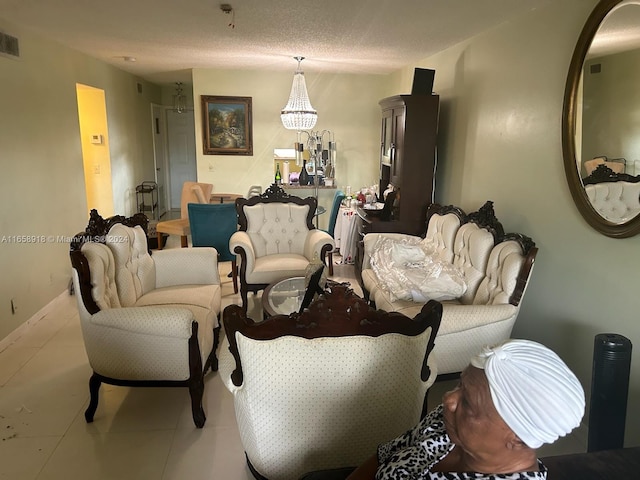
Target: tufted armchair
<point>323,388</point>
<point>276,238</point>
<point>146,320</point>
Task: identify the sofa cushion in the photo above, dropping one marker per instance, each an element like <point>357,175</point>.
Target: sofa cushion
<point>273,267</point>
<point>102,268</point>
<point>277,228</point>
<point>134,269</point>
<point>441,232</point>
<point>472,247</point>
<point>503,267</point>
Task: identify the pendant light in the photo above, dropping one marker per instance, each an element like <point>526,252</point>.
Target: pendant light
<point>299,114</point>
<point>179,99</point>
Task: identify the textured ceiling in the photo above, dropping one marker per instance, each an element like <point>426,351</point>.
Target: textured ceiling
<point>168,38</point>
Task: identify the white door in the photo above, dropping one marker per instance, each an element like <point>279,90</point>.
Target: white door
<point>181,143</point>
<point>161,163</point>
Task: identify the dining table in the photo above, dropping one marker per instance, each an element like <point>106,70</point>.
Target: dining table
<point>224,197</point>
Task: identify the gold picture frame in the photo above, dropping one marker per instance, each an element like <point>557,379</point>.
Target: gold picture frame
<point>227,126</point>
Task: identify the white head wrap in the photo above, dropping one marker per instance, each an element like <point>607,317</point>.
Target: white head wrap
<point>533,390</point>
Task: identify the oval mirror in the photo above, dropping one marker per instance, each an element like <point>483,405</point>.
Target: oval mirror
<point>601,119</point>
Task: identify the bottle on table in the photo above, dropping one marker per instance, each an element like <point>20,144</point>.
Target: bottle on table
<point>278,177</point>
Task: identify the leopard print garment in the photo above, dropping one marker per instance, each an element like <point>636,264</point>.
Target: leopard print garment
<point>411,455</point>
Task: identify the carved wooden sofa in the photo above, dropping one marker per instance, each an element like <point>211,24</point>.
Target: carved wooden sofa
<point>496,267</point>
<point>276,238</point>
<point>147,320</point>
<point>322,388</point>
<point>615,196</point>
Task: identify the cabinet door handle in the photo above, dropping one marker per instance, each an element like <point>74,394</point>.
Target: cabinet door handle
<point>392,153</point>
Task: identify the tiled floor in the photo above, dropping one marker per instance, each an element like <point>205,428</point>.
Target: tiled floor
<point>138,433</point>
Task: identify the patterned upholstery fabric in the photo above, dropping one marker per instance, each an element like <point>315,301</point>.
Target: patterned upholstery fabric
<point>147,306</point>
<point>327,402</point>
<point>277,228</point>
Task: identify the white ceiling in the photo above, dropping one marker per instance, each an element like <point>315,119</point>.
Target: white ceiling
<point>168,38</point>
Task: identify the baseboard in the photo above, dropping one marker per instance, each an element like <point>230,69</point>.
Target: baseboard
<point>35,318</point>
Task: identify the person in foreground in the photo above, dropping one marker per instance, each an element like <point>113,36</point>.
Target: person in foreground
<point>511,399</point>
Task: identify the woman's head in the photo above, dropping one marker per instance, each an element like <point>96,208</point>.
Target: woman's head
<point>471,420</point>
<point>530,389</point>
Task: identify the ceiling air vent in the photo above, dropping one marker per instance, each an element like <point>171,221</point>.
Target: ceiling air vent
<point>9,45</point>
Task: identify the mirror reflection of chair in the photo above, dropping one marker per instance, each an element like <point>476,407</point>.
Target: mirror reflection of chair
<point>338,197</point>
<point>276,238</point>
<point>192,192</point>
<point>212,225</point>
<point>321,389</point>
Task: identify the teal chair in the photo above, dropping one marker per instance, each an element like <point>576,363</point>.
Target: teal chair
<point>212,225</point>
<point>335,208</point>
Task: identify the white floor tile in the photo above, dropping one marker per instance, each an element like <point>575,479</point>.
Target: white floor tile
<point>110,456</point>
<point>24,458</point>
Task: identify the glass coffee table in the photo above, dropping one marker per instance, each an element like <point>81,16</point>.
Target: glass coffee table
<point>283,297</point>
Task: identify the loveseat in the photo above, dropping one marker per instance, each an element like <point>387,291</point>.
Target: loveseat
<point>495,267</point>
<point>146,320</point>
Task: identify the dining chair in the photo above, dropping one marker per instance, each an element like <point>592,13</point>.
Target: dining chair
<point>338,197</point>
<point>212,225</point>
<point>192,192</point>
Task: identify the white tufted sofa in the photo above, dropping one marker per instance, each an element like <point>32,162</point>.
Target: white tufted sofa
<point>276,238</point>
<point>146,320</point>
<point>317,391</point>
<point>617,202</point>
<point>496,268</point>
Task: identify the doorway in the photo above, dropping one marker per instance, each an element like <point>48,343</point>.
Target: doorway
<point>174,156</point>
<point>96,158</point>
<point>181,146</point>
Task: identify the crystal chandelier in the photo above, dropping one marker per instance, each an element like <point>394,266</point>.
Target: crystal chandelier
<point>299,114</point>
<point>179,100</point>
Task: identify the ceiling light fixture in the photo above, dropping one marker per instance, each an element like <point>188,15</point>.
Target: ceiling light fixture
<point>228,9</point>
<point>298,114</point>
<point>179,99</point>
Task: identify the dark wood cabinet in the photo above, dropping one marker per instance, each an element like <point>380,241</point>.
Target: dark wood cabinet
<point>407,160</point>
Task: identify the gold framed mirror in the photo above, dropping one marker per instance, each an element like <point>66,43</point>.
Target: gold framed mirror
<point>609,37</point>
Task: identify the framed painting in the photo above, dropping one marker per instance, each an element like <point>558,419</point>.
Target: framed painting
<point>226,125</point>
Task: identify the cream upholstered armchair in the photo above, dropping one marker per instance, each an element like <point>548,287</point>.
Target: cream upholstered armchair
<point>276,238</point>
<point>323,388</point>
<point>146,320</point>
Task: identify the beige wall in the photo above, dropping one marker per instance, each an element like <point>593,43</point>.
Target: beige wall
<point>500,139</point>
<point>42,183</point>
<point>346,104</point>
